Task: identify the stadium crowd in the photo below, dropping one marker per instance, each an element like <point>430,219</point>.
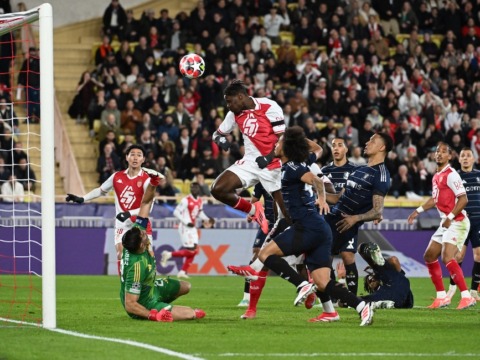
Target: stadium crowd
<point>346,68</point>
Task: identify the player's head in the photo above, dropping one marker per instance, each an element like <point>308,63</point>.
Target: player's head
<point>293,145</point>
<point>134,239</point>
<point>195,189</point>
<point>236,95</point>
<point>339,148</point>
<point>443,154</point>
<point>466,159</point>
<point>379,142</point>
<point>371,282</point>
<point>135,155</point>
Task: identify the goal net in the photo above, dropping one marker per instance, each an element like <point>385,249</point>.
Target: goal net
<point>27,189</point>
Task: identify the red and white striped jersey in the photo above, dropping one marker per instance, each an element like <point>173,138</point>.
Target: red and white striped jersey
<point>447,186</point>
<point>259,127</point>
<point>128,190</point>
<point>189,209</point>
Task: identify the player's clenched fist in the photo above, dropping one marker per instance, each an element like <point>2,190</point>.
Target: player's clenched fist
<point>74,198</point>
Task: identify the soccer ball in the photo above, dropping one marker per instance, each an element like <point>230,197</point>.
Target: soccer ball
<point>192,66</point>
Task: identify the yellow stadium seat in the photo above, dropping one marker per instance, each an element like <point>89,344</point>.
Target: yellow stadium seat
<point>292,6</point>
<point>178,184</point>
<point>189,47</point>
<point>437,39</point>
<point>287,35</point>
<point>96,125</point>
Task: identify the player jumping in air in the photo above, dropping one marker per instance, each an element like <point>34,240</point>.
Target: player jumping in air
<point>261,122</point>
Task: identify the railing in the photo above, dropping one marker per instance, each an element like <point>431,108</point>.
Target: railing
<point>72,181</point>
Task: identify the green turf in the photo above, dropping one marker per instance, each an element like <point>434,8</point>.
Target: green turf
<point>90,305</point>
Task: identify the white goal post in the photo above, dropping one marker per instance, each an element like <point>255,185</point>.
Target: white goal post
<point>8,23</point>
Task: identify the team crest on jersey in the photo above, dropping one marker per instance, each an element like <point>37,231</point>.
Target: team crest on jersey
<point>139,183</point>
<point>365,177</point>
<point>345,175</point>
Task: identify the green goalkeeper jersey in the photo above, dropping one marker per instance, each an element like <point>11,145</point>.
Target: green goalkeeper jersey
<point>138,277</point>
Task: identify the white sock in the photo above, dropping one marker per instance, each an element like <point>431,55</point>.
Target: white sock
<point>246,296</point>
<point>328,307</point>
<point>360,306</point>
<point>252,211</point>
<point>466,294</point>
<point>452,287</point>
<point>441,294</point>
<point>257,265</point>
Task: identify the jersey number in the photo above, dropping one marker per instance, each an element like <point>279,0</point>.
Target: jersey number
<point>250,126</point>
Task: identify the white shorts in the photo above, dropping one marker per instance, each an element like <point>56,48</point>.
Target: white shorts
<point>122,227</point>
<point>250,174</point>
<point>455,234</point>
<point>188,236</point>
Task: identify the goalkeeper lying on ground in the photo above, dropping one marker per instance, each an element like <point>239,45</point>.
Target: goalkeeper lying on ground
<point>142,295</point>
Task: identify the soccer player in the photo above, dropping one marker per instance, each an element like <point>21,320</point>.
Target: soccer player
<point>261,122</point>
<point>362,200</point>
<point>450,199</point>
<point>309,234</point>
<point>257,194</point>
<point>386,281</point>
<point>471,182</point>
<point>128,186</point>
<point>340,168</point>
<point>187,211</point>
<point>142,295</point>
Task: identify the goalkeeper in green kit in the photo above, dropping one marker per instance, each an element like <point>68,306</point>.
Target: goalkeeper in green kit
<point>142,295</point>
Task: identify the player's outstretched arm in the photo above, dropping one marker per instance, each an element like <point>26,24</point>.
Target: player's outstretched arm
<point>74,198</point>
<point>430,203</point>
<point>149,194</point>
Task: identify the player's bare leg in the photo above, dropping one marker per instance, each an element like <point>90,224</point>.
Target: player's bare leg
<point>223,189</point>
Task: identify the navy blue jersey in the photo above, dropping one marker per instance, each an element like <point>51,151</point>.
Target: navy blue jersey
<point>364,182</point>
<point>338,175</point>
<point>259,192</point>
<point>298,197</point>
<point>471,182</point>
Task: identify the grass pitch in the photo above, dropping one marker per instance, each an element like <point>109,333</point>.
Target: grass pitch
<point>89,306</point>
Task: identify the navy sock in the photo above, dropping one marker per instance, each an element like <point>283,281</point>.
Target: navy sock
<point>475,276</point>
<point>337,291</point>
<point>352,277</point>
<point>281,267</point>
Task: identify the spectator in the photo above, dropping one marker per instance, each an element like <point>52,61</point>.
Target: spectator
<point>114,20</point>
<point>207,164</point>
<point>29,78</point>
<point>169,127</point>
<point>109,125</point>
<point>110,138</point>
<point>5,171</point>
<point>25,174</point>
<point>272,23</point>
<point>130,117</point>
<point>357,157</point>
<point>402,182</point>
<point>107,163</point>
<point>12,190</point>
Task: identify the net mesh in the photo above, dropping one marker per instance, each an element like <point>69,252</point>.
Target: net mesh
<point>20,171</point>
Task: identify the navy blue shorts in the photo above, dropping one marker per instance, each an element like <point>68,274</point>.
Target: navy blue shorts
<point>312,237</point>
<point>342,242</point>
<point>259,238</point>
<point>473,235</point>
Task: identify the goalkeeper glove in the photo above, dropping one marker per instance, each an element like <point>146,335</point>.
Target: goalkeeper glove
<point>123,216</point>
<point>74,198</point>
<point>163,315</point>
<point>263,161</point>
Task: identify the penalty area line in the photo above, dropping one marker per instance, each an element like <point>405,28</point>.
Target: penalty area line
<point>119,341</point>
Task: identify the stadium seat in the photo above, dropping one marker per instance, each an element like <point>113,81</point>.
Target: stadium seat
<point>287,35</point>
<point>178,185</point>
<point>292,6</point>
<point>189,47</point>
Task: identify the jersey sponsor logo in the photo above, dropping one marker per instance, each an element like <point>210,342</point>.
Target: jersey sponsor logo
<point>250,126</point>
<point>472,188</point>
<point>127,197</point>
<point>354,185</point>
<point>338,185</point>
